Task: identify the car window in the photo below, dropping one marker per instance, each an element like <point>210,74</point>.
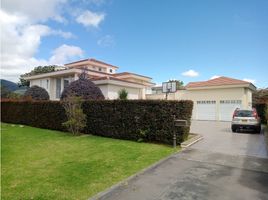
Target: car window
<point>244,113</point>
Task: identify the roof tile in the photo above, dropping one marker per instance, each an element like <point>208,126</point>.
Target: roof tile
<point>216,82</point>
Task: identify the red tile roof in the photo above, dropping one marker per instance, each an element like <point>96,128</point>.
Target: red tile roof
<point>128,73</point>
<point>92,60</point>
<point>216,82</point>
<point>112,78</point>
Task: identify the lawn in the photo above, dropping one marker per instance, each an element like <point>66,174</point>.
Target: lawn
<point>45,164</point>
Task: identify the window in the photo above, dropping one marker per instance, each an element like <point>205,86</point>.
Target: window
<point>244,113</point>
<point>58,88</point>
<point>111,71</point>
<point>65,83</point>
<point>99,69</point>
<point>206,102</point>
<point>230,102</point>
<point>47,83</point>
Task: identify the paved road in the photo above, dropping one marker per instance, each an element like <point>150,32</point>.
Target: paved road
<point>222,166</point>
<point>218,137</point>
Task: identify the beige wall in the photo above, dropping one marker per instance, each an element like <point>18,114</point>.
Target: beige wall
<point>133,93</point>
<point>243,94</point>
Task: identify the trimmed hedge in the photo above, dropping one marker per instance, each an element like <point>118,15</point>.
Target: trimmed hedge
<point>139,120</point>
<point>261,107</point>
<point>41,114</point>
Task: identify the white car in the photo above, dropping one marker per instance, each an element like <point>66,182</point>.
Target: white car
<point>246,119</point>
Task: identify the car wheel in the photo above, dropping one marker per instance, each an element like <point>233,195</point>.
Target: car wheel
<point>233,129</point>
<point>258,130</point>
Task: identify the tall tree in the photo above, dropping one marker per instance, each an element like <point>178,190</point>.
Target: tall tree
<point>36,70</point>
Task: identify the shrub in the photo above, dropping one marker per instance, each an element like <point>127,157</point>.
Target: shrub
<point>42,114</point>
<point>138,120</point>
<point>76,118</point>
<point>84,88</point>
<point>122,94</point>
<point>261,111</point>
<point>37,93</point>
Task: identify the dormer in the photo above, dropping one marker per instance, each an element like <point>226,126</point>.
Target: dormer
<point>93,64</point>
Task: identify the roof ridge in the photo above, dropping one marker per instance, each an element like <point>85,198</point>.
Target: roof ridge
<point>222,80</point>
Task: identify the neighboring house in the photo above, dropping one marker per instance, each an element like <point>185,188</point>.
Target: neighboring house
<point>102,74</point>
<point>215,99</point>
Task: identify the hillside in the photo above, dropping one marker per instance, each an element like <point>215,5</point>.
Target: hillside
<point>11,86</point>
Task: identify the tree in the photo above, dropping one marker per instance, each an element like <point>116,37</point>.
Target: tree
<point>122,94</point>
<point>37,93</point>
<point>179,83</point>
<point>4,92</point>
<point>260,96</point>
<point>35,71</point>
<point>83,88</point>
<point>76,118</point>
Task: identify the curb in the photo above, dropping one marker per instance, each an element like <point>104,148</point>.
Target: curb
<point>124,182</point>
<point>190,142</point>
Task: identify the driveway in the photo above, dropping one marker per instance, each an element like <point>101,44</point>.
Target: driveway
<point>221,166</point>
<point>218,137</point>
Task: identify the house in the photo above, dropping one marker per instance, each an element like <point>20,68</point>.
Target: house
<point>104,75</point>
<point>215,99</point>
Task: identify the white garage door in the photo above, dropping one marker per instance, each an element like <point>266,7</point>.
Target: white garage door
<point>227,108</point>
<point>206,110</point>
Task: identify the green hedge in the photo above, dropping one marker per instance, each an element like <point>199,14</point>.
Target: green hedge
<point>42,114</point>
<point>261,111</point>
<point>139,120</point>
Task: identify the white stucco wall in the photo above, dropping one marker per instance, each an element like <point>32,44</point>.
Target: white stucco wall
<point>133,93</point>
<point>243,94</point>
<point>44,83</point>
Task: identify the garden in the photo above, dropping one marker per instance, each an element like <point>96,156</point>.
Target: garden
<point>77,147</point>
<point>47,164</point>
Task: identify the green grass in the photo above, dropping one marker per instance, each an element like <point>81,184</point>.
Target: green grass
<point>45,164</point>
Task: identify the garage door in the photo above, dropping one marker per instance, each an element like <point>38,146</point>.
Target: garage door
<point>206,110</point>
<point>227,108</point>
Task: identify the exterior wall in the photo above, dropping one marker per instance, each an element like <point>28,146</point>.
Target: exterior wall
<point>243,94</point>
<point>111,92</point>
<point>51,86</point>
<point>44,83</point>
<point>214,94</point>
<point>171,96</point>
<point>104,90</point>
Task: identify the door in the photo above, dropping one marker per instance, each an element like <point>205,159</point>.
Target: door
<point>206,110</point>
<point>227,108</point>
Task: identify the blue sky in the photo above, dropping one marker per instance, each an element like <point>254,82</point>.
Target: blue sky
<point>160,39</point>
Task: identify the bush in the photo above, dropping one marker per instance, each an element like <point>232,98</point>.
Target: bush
<point>42,114</point>
<point>84,88</point>
<point>37,93</point>
<point>122,94</point>
<point>261,111</point>
<point>139,120</point>
<point>76,118</point>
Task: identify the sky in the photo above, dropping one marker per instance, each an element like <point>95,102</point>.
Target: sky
<point>188,40</point>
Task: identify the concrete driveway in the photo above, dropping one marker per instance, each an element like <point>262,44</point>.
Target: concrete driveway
<point>221,166</point>
<point>218,137</point>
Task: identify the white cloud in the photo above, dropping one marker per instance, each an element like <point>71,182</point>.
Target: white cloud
<point>106,41</point>
<point>190,73</point>
<point>65,52</point>
<point>90,19</point>
<point>249,80</point>
<point>23,26</point>
<point>66,35</point>
<point>215,76</point>
<point>20,41</point>
<point>15,65</point>
<point>38,10</point>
